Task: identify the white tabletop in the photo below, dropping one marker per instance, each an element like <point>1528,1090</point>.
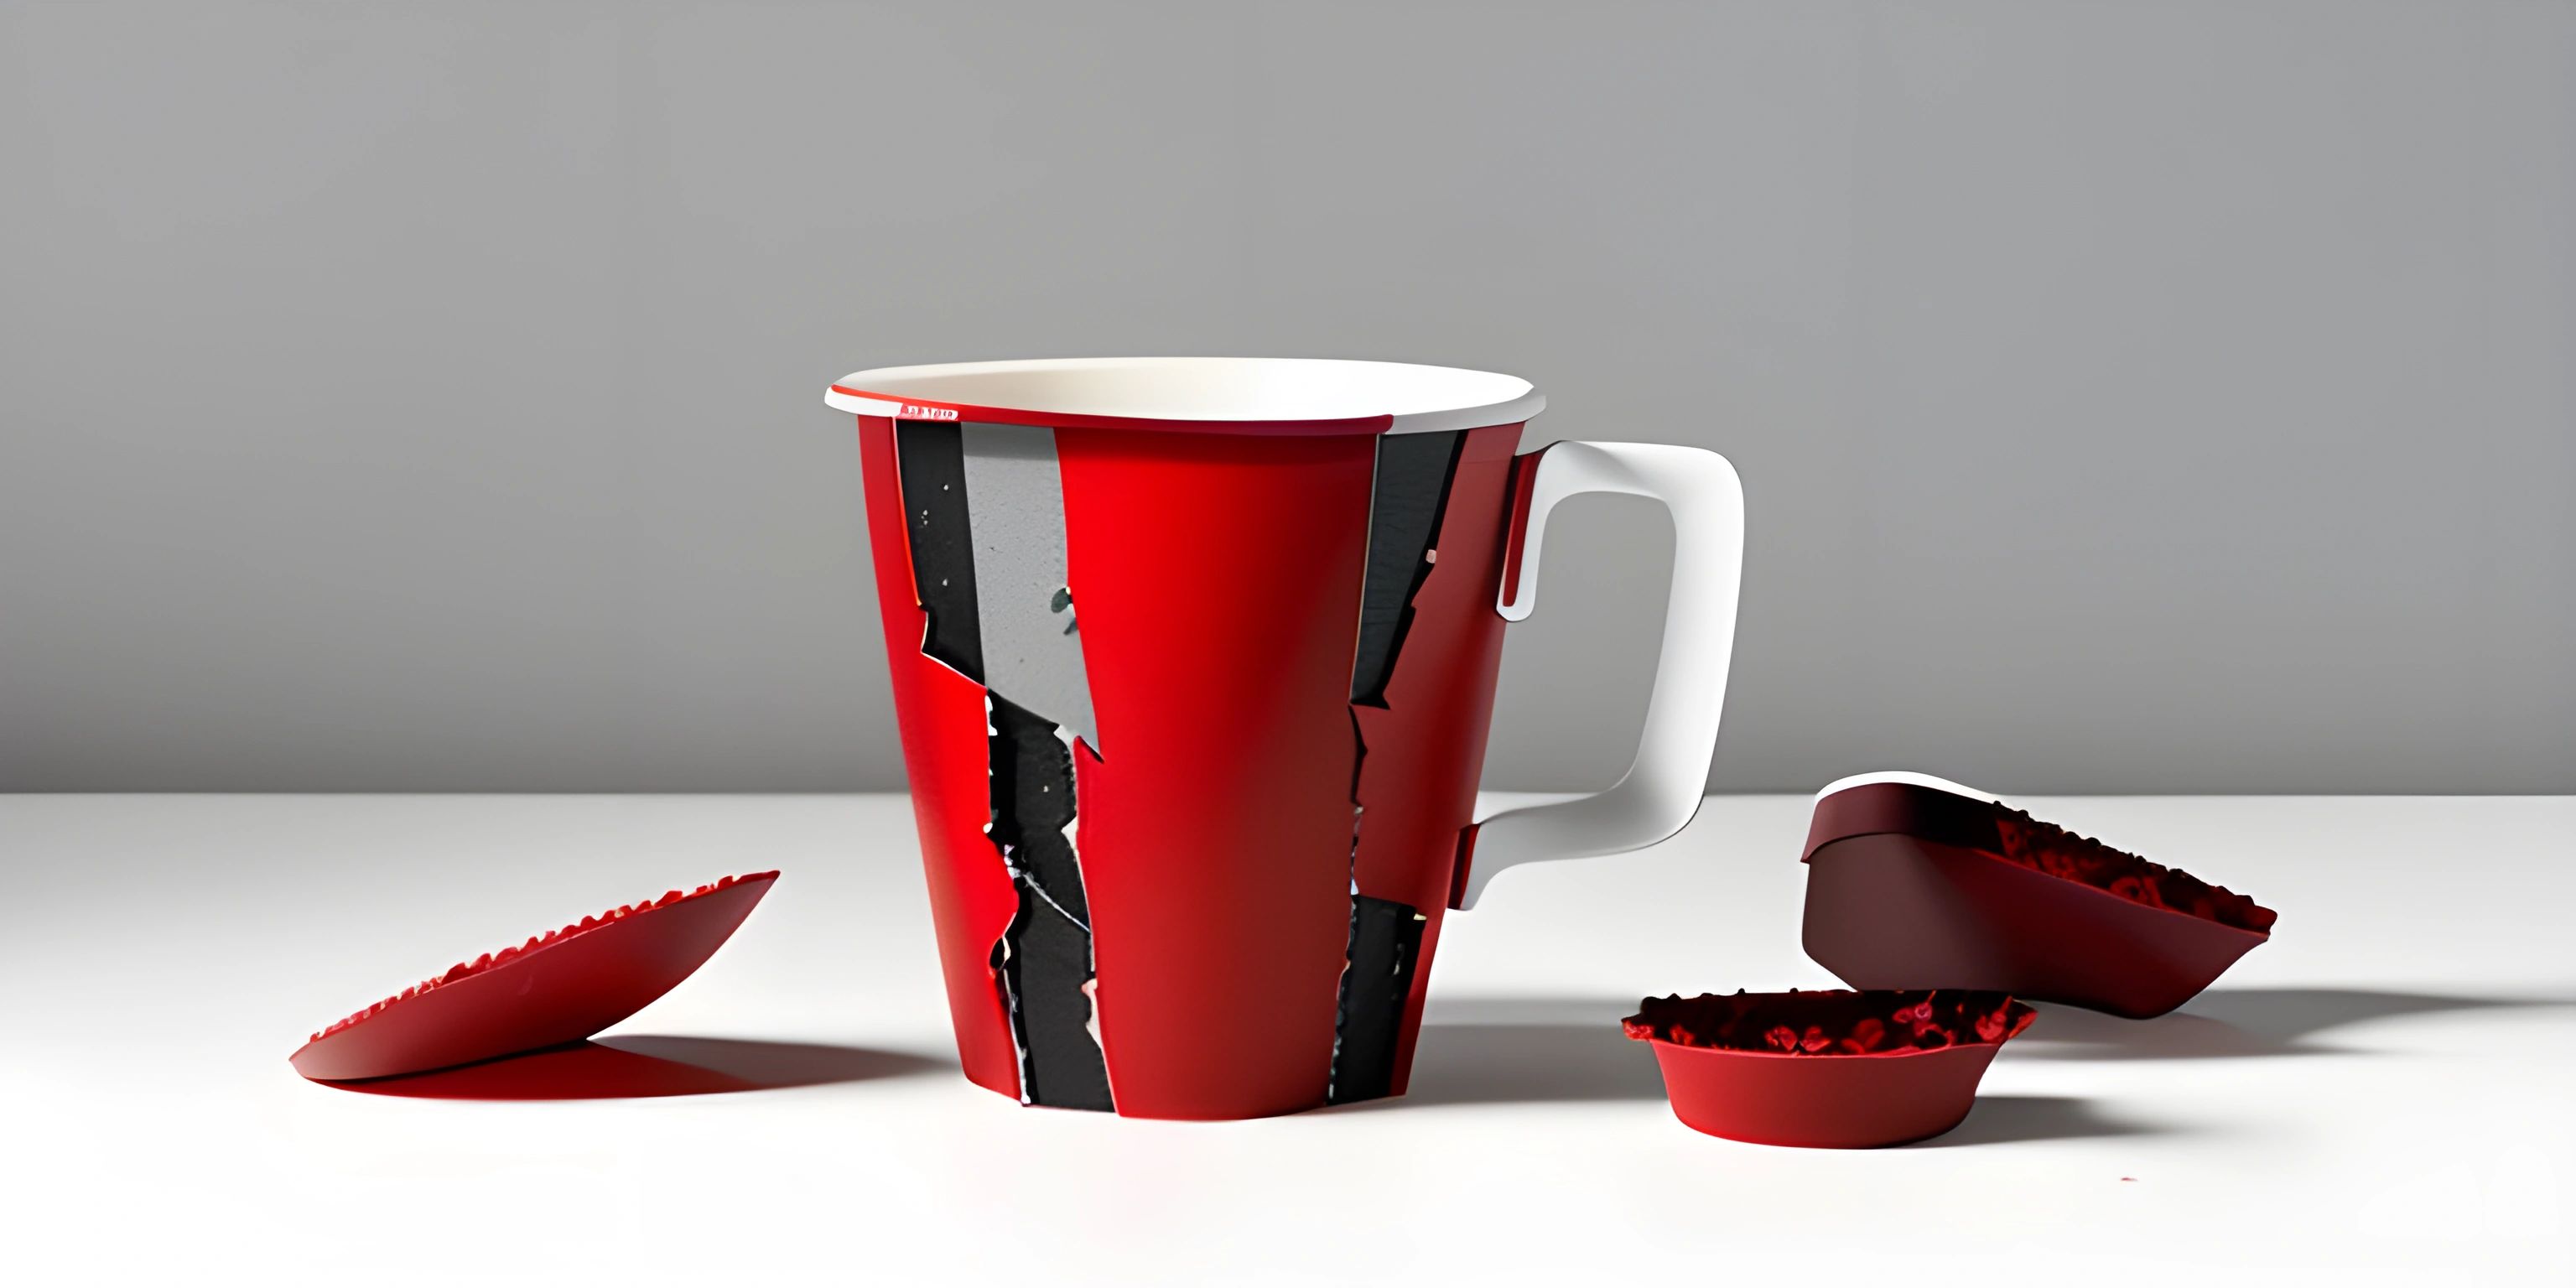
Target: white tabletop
<point>2382,1090</point>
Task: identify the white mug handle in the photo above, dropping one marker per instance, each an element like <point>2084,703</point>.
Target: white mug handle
<point>1663,786</point>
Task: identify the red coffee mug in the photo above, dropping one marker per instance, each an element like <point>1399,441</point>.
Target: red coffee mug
<point>1194,660</point>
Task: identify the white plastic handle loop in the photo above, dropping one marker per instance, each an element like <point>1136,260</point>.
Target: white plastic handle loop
<point>1662,789</point>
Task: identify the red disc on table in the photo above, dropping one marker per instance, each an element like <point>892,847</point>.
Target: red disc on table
<point>559,987</point>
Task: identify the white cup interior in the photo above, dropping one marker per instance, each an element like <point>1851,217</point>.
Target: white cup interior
<point>1201,389</point>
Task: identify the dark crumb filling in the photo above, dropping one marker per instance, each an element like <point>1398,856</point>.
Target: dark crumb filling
<point>2048,848</point>
<point>467,970</point>
<point>1830,1022</point>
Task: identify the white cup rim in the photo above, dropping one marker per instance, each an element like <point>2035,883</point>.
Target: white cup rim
<point>1280,395</point>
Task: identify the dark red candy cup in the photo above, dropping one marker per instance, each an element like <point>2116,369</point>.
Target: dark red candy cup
<point>1828,1069</point>
<point>1908,885</point>
<point>559,988</point>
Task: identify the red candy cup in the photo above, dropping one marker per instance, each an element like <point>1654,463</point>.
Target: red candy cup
<point>559,987</point>
<point>1911,885</point>
<point>1833,1096</point>
<point>1827,1102</point>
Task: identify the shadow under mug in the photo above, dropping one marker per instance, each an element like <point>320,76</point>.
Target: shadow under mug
<point>1194,660</point>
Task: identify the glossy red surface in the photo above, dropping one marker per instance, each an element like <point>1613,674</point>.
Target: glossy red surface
<point>1219,577</point>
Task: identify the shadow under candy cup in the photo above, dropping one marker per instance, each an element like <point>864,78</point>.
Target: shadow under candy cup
<point>1833,1069</point>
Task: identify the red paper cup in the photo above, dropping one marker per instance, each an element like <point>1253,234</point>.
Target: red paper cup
<point>1194,660</point>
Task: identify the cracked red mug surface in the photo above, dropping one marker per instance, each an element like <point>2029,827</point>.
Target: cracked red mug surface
<point>1153,863</point>
<point>1194,661</point>
<point>1913,881</point>
<point>558,987</point>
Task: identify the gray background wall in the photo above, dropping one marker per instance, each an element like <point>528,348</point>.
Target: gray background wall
<point>2131,398</point>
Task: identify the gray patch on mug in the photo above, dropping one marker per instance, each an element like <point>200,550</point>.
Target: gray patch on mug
<point>1032,641</point>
